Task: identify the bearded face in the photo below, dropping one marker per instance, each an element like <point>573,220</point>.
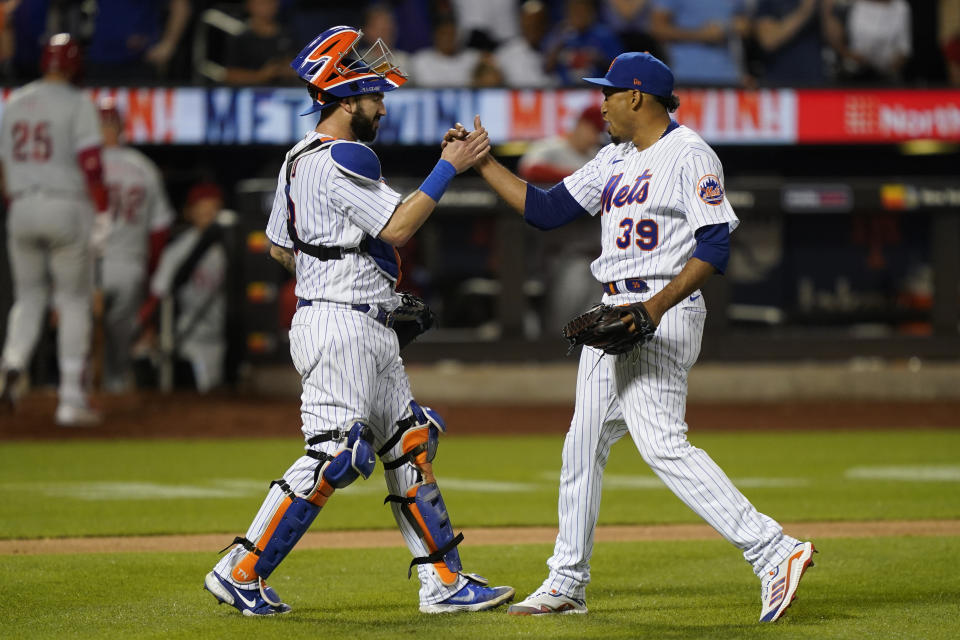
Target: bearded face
<point>364,127</point>
<point>365,120</point>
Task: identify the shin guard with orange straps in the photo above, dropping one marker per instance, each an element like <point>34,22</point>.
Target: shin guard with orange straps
<point>424,508</point>
<point>296,513</point>
<point>293,517</point>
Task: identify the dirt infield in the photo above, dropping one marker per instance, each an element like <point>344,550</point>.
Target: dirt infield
<point>477,536</point>
<point>151,415</point>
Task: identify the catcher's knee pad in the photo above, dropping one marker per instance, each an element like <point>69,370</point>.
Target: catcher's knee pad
<point>426,512</point>
<point>419,435</point>
<point>354,458</point>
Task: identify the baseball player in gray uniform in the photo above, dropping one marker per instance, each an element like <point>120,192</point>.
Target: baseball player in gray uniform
<point>335,224</point>
<point>665,225</point>
<point>141,219</point>
<point>50,153</point>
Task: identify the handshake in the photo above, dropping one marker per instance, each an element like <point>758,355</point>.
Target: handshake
<point>464,149</point>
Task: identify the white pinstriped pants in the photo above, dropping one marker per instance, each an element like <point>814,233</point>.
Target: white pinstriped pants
<point>351,370</point>
<point>644,394</point>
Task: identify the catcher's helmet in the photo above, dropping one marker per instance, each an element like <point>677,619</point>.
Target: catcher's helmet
<point>332,64</point>
<point>62,54</point>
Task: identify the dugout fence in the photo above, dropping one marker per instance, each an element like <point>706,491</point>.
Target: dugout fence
<point>820,269</point>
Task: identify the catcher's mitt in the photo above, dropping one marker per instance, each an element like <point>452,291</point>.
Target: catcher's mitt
<point>608,328</point>
<point>411,318</point>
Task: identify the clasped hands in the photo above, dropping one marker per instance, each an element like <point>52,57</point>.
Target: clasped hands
<point>459,134</point>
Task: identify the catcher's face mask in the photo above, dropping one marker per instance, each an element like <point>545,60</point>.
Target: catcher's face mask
<point>333,64</point>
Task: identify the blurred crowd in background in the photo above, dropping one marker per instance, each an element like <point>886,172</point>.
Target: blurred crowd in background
<point>493,43</point>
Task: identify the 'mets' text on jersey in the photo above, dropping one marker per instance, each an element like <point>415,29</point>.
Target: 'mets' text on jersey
<point>650,203</point>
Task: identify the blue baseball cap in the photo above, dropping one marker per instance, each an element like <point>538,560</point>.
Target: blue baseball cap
<point>640,71</point>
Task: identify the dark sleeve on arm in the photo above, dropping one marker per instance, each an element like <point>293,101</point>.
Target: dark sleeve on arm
<point>713,245</point>
<point>551,209</point>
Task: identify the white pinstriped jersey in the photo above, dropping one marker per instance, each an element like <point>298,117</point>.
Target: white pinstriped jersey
<point>349,362</point>
<point>651,202</point>
<point>138,204</point>
<point>44,125</point>
<point>334,209</point>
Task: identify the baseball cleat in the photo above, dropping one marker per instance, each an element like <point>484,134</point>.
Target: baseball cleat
<point>8,393</point>
<point>69,415</point>
<point>545,602</point>
<point>779,587</point>
<point>249,602</point>
<point>472,597</point>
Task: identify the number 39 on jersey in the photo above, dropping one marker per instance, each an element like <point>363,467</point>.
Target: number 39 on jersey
<point>618,193</point>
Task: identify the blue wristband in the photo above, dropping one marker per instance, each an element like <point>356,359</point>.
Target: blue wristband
<point>438,180</point>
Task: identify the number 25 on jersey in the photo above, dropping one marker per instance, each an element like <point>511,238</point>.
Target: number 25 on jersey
<point>31,141</point>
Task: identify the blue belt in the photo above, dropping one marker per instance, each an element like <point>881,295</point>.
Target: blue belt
<point>621,286</point>
<point>380,315</point>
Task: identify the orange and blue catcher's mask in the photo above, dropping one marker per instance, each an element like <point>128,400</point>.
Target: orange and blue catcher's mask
<point>333,64</point>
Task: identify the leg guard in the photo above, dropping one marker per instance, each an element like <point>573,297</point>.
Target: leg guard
<point>246,570</point>
<point>355,458</point>
<point>297,518</point>
<point>424,508</point>
<point>296,513</point>
<point>419,433</point>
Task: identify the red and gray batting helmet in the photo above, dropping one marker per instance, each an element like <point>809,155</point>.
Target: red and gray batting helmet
<point>109,114</point>
<point>62,54</point>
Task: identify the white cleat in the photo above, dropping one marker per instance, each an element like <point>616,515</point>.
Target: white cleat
<point>9,390</point>
<point>779,587</point>
<point>547,602</point>
<point>77,416</point>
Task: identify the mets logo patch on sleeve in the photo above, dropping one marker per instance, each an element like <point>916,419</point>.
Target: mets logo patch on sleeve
<point>709,190</point>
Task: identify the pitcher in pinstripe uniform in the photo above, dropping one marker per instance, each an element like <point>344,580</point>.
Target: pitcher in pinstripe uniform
<point>665,225</point>
<point>334,224</point>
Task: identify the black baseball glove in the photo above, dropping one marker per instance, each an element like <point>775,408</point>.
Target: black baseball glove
<point>613,330</point>
<point>411,318</point>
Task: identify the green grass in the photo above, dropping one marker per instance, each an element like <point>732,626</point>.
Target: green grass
<point>155,487</point>
<point>878,588</point>
<point>867,588</point>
